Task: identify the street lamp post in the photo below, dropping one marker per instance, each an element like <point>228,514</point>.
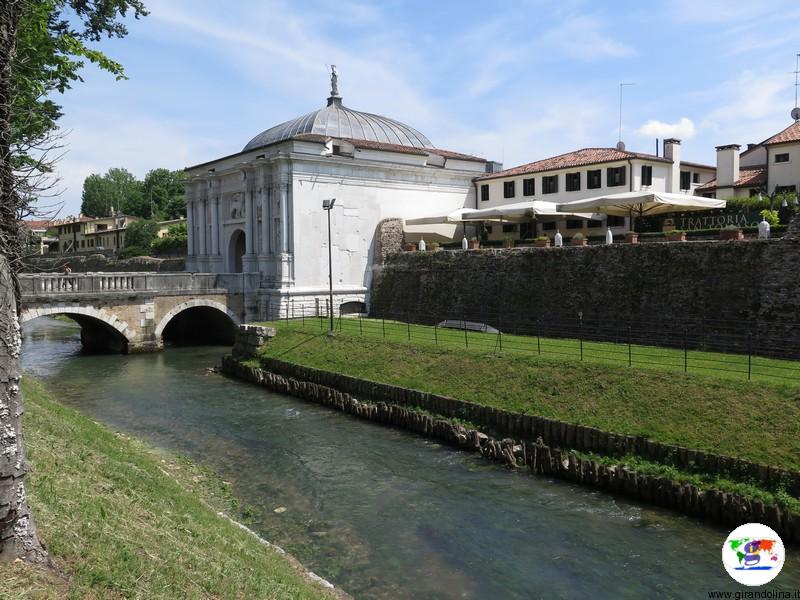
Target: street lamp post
<point>327,206</point>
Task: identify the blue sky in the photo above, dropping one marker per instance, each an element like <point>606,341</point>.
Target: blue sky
<point>511,81</point>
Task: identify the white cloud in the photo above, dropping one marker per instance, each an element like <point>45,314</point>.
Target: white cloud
<point>683,129</point>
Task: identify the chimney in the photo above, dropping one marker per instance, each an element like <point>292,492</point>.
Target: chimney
<point>672,151</point>
<point>727,165</point>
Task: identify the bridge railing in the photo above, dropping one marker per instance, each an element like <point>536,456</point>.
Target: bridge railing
<point>38,284</point>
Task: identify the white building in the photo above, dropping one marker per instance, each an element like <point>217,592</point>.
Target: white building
<point>260,210</point>
<point>583,174</point>
<point>771,167</point>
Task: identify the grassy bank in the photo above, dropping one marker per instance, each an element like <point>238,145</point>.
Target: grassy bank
<point>759,421</point>
<point>121,520</point>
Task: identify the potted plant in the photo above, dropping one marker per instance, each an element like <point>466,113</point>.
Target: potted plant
<point>508,243</point>
<point>409,247</point>
<point>434,246</point>
<point>676,235</point>
<point>578,240</point>
<point>731,232</point>
<point>542,242</point>
<point>631,237</point>
<point>474,244</point>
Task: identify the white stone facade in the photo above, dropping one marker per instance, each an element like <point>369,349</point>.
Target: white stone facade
<point>261,211</point>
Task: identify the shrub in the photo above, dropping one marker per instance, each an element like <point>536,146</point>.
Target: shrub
<point>577,236</point>
<point>131,251</point>
<point>770,216</point>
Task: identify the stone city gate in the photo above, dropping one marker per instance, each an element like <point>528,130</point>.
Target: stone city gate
<point>129,312</point>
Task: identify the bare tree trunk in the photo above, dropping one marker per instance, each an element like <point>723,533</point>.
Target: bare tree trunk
<point>17,532</point>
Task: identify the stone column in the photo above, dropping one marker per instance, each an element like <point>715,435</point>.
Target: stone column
<point>215,261</point>
<point>191,260</point>
<point>284,203</point>
<point>202,221</point>
<point>265,213</point>
<point>250,259</point>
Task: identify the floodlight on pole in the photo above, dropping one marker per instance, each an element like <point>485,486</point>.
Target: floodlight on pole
<point>327,206</point>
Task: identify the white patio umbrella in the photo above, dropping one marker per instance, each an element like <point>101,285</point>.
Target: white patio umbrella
<point>456,216</point>
<point>522,211</point>
<point>640,204</point>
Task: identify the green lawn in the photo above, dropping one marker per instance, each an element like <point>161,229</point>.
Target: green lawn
<point>714,411</point>
<point>121,520</point>
<point>738,367</point>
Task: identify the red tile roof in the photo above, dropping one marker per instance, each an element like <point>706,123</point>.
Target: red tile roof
<point>698,165</point>
<point>37,224</point>
<point>788,135</point>
<point>578,158</point>
<point>748,177</point>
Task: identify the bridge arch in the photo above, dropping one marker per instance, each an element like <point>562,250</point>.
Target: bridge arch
<point>194,304</point>
<point>97,325</point>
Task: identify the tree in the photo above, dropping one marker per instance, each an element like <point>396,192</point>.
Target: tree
<point>163,190</point>
<point>119,190</point>
<point>175,242</point>
<point>43,45</point>
<point>141,233</point>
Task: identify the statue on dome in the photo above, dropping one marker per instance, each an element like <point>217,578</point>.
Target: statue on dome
<point>334,81</point>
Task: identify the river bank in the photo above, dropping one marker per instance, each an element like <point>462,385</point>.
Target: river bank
<point>726,489</point>
<point>121,519</point>
<point>381,512</point>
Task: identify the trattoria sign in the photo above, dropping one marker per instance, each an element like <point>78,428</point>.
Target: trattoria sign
<point>689,221</point>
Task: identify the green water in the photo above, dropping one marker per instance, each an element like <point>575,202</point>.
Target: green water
<point>381,513</point>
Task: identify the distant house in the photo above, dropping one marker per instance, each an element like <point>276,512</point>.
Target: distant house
<point>771,167</point>
<point>85,234</point>
<point>38,240</point>
<point>583,174</point>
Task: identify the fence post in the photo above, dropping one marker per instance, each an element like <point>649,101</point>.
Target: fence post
<point>303,314</point>
<point>360,326</point>
<point>685,354</point>
<point>538,338</point>
<point>630,357</point>
<point>749,356</point>
<point>287,311</point>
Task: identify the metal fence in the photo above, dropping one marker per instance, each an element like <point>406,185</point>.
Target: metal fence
<point>698,346</point>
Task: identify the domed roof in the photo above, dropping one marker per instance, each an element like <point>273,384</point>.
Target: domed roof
<point>338,121</point>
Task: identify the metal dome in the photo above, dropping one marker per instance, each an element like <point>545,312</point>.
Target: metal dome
<point>338,121</point>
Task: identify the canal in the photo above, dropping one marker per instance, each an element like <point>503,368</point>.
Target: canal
<point>382,513</point>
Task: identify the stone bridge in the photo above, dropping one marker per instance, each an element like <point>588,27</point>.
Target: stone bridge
<point>136,312</point>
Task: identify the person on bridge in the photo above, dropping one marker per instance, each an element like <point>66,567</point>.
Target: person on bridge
<point>67,272</point>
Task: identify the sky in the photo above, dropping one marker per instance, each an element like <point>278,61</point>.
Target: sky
<point>512,81</point>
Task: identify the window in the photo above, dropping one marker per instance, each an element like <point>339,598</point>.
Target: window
<point>615,176</point>
<point>647,175</point>
<point>593,223</point>
<point>754,192</point>
<point>685,180</point>
<point>488,229</point>
<point>548,226</point>
<point>779,158</point>
<point>573,182</point>
<point>615,221</point>
<point>784,189</point>
<point>574,224</point>
<point>695,177</point>
<point>528,187</point>
<point>508,189</point>
<point>509,227</point>
<point>593,179</point>
<point>484,192</point>
<point>550,184</point>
